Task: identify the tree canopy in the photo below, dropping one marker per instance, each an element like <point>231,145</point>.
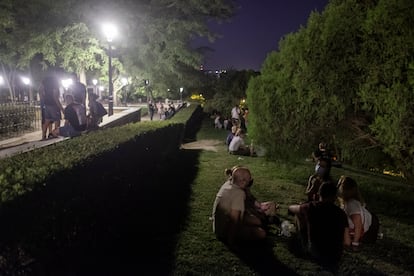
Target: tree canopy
<point>346,78</point>
<point>153,42</point>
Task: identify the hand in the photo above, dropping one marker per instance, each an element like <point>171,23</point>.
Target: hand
<point>354,247</point>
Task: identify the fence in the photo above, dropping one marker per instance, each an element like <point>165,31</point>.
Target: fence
<point>18,118</point>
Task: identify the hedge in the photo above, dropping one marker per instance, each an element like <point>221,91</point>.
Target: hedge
<point>27,171</point>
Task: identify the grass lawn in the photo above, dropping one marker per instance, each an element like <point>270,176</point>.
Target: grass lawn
<point>200,253</point>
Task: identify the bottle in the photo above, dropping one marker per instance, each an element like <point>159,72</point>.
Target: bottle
<point>284,228</point>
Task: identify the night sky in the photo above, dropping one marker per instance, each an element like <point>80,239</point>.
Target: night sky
<point>255,31</point>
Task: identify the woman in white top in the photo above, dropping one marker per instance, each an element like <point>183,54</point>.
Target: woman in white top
<point>359,218</point>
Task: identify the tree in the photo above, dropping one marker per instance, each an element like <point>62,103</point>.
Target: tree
<point>387,91</point>
<point>229,90</point>
<point>155,41</point>
<point>347,77</point>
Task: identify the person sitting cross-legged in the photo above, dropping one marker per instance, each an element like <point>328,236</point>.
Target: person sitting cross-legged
<point>265,211</point>
<point>322,227</point>
<point>231,222</point>
<point>75,119</point>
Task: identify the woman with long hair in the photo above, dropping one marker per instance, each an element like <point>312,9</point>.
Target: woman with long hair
<point>361,226</point>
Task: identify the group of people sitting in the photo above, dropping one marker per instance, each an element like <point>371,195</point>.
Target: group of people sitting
<point>239,118</point>
<point>332,219</point>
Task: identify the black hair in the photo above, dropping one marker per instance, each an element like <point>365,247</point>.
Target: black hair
<point>328,191</point>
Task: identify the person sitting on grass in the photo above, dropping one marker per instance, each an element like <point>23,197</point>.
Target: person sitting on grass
<point>231,222</point>
<point>322,228</point>
<point>75,119</point>
<point>237,145</point>
<point>322,175</point>
<point>231,135</point>
<point>363,225</point>
<point>265,211</point>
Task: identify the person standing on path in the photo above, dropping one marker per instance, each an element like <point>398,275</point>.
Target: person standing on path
<point>51,106</point>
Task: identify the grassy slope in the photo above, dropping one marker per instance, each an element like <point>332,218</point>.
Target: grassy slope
<point>199,253</point>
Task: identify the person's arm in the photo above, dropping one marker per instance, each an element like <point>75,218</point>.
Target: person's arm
<point>294,209</point>
<point>56,99</point>
<point>358,228</point>
<point>235,220</point>
<point>347,237</point>
<point>41,92</point>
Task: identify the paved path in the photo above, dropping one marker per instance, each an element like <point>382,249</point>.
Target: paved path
<point>32,140</point>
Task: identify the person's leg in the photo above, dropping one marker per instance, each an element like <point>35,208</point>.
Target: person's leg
<point>56,132</point>
<point>243,151</point>
<point>302,228</point>
<point>45,126</point>
<point>252,220</point>
<point>251,233</point>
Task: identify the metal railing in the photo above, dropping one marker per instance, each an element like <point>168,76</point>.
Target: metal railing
<point>18,118</point>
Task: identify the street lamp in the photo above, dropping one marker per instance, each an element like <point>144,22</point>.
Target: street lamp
<point>26,81</point>
<point>110,32</point>
<point>95,82</point>
<point>181,94</point>
<point>124,82</point>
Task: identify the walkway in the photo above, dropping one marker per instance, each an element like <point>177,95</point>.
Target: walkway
<point>32,140</point>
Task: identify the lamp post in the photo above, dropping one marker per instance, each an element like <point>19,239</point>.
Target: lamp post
<point>26,81</point>
<point>181,94</point>
<point>95,82</point>
<point>110,31</point>
<point>66,83</point>
<point>124,82</point>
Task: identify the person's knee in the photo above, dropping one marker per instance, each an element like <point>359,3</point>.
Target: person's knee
<point>260,234</point>
<point>55,132</point>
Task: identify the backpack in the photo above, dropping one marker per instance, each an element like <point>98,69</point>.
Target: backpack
<point>371,235</point>
<point>100,110</point>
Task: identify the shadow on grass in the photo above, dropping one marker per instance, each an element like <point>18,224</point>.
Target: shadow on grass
<point>390,251</point>
<point>260,257</point>
<point>119,216</point>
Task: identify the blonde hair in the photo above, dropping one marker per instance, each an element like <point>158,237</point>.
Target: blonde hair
<point>348,189</point>
<point>229,172</point>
